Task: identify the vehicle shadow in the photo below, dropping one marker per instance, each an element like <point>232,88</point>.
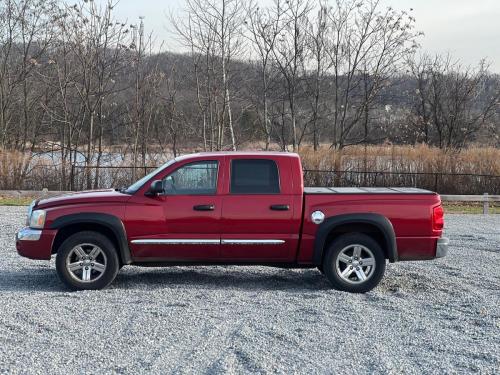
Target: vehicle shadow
<point>30,280</point>
<point>209,277</point>
<point>240,278</point>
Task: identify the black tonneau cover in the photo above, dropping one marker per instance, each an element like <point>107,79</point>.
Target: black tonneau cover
<point>364,190</point>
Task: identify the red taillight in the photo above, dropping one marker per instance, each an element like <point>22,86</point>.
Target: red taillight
<point>438,218</point>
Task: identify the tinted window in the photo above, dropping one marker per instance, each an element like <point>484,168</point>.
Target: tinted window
<point>198,178</point>
<point>254,177</point>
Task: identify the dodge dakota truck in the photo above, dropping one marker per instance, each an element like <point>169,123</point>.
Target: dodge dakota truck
<point>238,208</point>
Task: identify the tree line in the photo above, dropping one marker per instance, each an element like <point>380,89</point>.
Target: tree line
<point>76,80</point>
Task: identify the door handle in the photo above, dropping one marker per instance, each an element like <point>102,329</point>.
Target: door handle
<point>280,207</point>
<point>204,207</point>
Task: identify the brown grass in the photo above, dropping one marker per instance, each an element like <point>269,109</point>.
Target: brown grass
<point>420,158</point>
<point>414,166</point>
<point>419,166</point>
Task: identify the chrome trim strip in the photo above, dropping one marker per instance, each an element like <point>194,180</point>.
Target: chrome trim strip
<point>201,241</point>
<point>176,241</point>
<point>251,242</point>
<point>28,234</point>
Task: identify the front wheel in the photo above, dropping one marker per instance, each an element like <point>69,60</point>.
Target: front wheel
<point>87,260</point>
<point>354,263</point>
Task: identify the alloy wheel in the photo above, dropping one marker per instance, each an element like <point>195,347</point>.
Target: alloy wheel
<point>86,262</point>
<point>355,264</point>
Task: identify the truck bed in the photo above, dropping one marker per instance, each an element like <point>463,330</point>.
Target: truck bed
<point>408,209</point>
<point>364,190</point>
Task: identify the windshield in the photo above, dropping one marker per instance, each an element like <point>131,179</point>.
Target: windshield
<point>137,185</point>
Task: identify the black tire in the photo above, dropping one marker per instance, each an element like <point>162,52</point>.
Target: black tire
<point>366,245</point>
<point>108,254</point>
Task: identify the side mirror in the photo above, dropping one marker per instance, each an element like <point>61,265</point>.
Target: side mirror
<point>155,188</point>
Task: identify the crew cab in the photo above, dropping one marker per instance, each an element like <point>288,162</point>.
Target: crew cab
<point>240,208</point>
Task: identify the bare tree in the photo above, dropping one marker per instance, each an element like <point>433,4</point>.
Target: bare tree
<point>25,35</point>
<point>365,42</point>
<point>93,91</point>
<point>289,53</point>
<point>96,47</point>
<point>170,120</point>
<point>214,29</point>
<point>147,80</point>
<point>318,42</point>
<point>264,25</point>
<point>451,102</point>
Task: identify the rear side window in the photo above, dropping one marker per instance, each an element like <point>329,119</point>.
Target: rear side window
<point>254,176</point>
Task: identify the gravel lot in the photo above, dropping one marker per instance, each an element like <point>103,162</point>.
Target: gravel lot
<point>425,317</point>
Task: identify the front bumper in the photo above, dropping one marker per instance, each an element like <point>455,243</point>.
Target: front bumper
<point>442,247</point>
<point>28,234</point>
<point>35,243</point>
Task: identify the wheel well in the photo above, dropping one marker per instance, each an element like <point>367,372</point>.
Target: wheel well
<point>369,229</point>
<point>67,231</point>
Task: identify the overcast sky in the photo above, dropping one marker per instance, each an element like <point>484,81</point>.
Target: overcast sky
<point>468,29</point>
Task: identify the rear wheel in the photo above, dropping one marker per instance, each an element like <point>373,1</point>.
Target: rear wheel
<point>87,260</point>
<point>354,263</point>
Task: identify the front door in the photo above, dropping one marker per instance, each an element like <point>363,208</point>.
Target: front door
<point>191,210</point>
<point>259,223</point>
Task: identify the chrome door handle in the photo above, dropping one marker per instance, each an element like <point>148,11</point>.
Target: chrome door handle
<point>204,207</point>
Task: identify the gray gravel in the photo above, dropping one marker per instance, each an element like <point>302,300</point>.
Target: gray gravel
<point>425,317</point>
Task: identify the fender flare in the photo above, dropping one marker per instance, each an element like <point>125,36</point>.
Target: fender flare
<point>111,222</point>
<point>379,221</point>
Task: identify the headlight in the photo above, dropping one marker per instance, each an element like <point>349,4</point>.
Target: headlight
<point>37,219</point>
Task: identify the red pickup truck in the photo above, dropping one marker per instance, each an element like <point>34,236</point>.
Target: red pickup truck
<point>240,208</point>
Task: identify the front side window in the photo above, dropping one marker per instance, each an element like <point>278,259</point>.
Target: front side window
<point>138,184</point>
<point>254,176</point>
<point>199,178</point>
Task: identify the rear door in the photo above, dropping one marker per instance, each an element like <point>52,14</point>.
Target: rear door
<point>259,218</point>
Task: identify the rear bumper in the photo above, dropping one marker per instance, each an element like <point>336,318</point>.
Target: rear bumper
<point>35,243</point>
<point>442,247</point>
<point>422,248</point>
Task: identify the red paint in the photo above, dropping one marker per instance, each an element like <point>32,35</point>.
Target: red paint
<point>247,216</point>
<point>40,249</point>
<point>417,218</point>
<point>410,215</point>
